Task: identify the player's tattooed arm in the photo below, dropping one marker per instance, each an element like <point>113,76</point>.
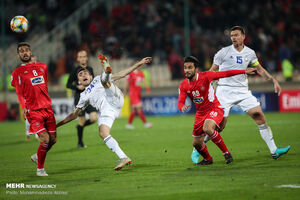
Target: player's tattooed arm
<point>128,70</point>
<point>261,71</point>
<point>70,117</point>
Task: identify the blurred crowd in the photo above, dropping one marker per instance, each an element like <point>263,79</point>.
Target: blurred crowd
<point>150,27</point>
<point>137,28</point>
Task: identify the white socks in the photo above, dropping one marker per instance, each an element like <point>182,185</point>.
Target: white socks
<point>113,145</point>
<point>266,134</point>
<point>106,77</point>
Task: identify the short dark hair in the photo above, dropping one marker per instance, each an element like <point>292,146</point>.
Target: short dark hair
<point>21,44</point>
<point>193,60</point>
<point>82,69</point>
<point>240,28</point>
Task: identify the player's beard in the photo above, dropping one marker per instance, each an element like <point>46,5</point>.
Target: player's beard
<point>27,60</point>
<point>191,76</point>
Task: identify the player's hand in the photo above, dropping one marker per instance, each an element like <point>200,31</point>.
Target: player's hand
<point>277,87</point>
<point>80,87</point>
<point>24,113</point>
<point>251,70</point>
<point>184,108</point>
<point>145,60</point>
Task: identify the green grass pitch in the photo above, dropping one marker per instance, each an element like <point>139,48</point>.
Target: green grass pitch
<point>161,168</point>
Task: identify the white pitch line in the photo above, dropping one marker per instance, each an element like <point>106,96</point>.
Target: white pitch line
<point>287,186</point>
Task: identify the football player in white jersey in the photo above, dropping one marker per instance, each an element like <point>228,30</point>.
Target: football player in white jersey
<point>108,99</point>
<point>234,90</point>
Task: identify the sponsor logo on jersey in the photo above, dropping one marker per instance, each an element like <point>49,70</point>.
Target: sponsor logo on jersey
<point>198,100</point>
<point>37,80</point>
<point>25,72</point>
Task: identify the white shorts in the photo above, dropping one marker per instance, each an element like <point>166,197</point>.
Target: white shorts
<point>107,114</point>
<point>229,96</point>
<point>110,107</point>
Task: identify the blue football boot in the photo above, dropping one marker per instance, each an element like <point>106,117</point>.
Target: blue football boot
<point>195,156</point>
<point>280,151</point>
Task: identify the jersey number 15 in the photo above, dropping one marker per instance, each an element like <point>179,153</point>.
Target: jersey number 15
<point>239,59</point>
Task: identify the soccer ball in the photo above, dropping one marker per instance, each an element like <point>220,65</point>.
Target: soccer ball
<point>19,24</point>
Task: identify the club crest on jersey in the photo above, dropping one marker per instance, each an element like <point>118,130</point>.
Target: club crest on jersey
<point>198,100</point>
<point>37,80</point>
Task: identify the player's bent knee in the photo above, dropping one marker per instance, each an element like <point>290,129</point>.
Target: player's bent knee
<point>259,118</point>
<point>44,137</point>
<point>208,130</point>
<point>104,131</point>
<point>93,119</point>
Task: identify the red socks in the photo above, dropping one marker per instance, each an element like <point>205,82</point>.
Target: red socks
<point>41,154</point>
<point>142,116</point>
<point>204,153</point>
<point>131,117</point>
<point>217,139</point>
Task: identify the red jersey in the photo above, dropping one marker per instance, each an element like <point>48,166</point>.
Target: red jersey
<point>201,92</point>
<point>30,81</point>
<point>135,80</point>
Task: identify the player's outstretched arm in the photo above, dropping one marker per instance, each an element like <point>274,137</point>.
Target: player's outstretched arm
<point>127,71</point>
<point>69,118</point>
<point>217,75</point>
<point>261,71</point>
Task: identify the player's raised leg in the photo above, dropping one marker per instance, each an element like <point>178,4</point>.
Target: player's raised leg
<point>266,132</point>
<point>106,75</point>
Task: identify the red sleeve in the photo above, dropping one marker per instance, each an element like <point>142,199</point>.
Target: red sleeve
<point>216,75</point>
<point>181,96</point>
<point>15,84</point>
<point>20,96</point>
<point>13,79</point>
<point>46,73</point>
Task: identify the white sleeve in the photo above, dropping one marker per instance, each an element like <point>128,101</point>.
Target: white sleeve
<point>218,58</point>
<point>83,101</point>
<point>253,58</point>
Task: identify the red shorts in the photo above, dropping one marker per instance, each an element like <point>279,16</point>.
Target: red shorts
<point>135,99</point>
<point>41,120</point>
<point>216,114</point>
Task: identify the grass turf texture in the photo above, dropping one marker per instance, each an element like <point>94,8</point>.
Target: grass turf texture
<point>162,168</point>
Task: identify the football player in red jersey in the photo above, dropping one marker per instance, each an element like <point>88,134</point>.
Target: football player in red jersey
<point>134,81</point>
<point>209,114</point>
<point>30,80</point>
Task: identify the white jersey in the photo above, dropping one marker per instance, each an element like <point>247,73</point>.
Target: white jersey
<point>228,58</point>
<point>95,95</point>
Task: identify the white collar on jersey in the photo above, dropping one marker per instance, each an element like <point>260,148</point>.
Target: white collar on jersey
<point>237,50</point>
